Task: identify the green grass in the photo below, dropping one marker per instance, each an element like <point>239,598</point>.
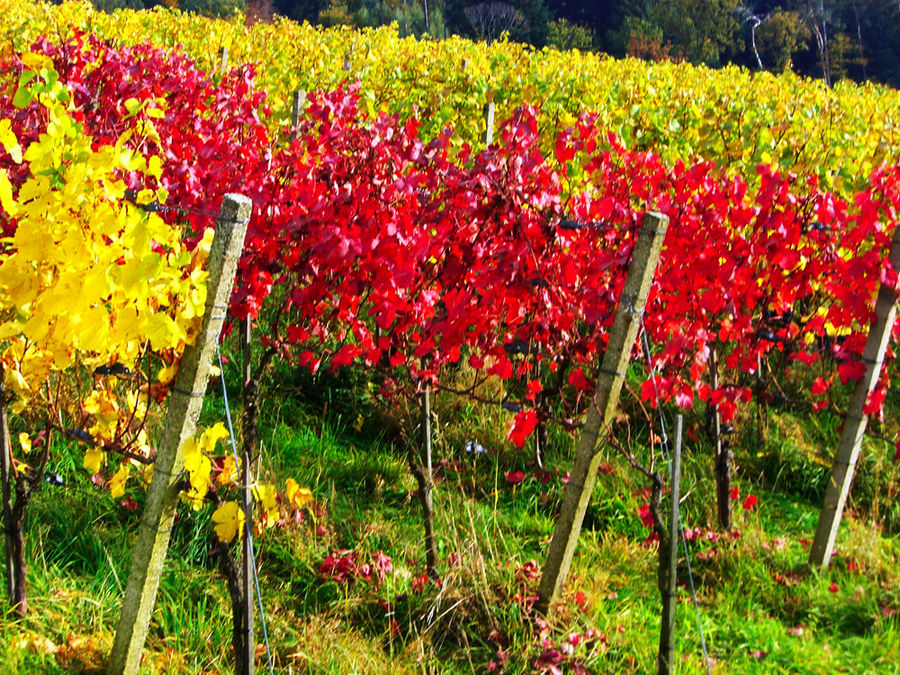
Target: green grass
<point>761,610</point>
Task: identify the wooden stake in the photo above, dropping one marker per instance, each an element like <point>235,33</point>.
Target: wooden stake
<point>246,336</point>
<point>428,497</point>
<point>665,661</point>
<point>421,469</point>
<point>724,457</point>
<point>249,645</point>
<point>600,414</point>
<point>223,60</point>
<point>6,481</point>
<point>855,420</point>
<point>181,420</point>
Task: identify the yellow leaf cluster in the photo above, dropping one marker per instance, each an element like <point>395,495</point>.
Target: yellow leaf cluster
<point>267,498</point>
<point>86,278</point>
<point>102,405</point>
<point>297,496</point>
<point>198,465</point>
<point>229,474</point>
<point>84,270</point>
<point>229,517</point>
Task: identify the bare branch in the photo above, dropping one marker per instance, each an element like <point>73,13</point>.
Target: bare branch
<point>491,19</point>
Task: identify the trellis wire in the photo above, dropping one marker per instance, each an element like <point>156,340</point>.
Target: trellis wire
<point>248,527</point>
<point>156,207</point>
<point>664,442</point>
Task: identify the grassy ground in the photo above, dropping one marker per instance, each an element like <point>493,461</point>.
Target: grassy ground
<point>761,611</point>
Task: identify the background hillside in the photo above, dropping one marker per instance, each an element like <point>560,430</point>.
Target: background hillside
<point>830,39</point>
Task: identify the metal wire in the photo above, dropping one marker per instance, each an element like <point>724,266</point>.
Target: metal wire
<point>665,446</point>
<point>248,526</point>
<point>156,207</point>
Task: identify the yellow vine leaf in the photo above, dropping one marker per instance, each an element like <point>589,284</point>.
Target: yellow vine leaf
<point>197,462</point>
<point>9,141</point>
<point>297,496</point>
<point>229,474</point>
<point>229,521</point>
<point>211,436</point>
<point>117,482</point>
<point>266,496</point>
<point>93,458</point>
<point>7,203</point>
<point>167,374</point>
<point>37,62</point>
<point>199,468</point>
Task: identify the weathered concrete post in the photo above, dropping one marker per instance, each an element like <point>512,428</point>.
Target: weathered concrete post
<point>181,422</point>
<point>298,100</point>
<point>856,420</point>
<point>601,412</point>
<point>489,123</point>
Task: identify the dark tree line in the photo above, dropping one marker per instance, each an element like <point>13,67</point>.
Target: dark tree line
<point>830,39</point>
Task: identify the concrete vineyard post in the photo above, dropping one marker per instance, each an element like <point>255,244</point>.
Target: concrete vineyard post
<point>298,100</point>
<point>855,420</point>
<point>489,123</point>
<point>600,414</point>
<point>185,402</point>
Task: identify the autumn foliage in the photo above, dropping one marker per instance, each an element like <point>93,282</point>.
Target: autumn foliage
<point>372,245</point>
<point>408,254</point>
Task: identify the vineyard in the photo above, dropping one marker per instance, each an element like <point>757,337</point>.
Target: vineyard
<point>476,280</point>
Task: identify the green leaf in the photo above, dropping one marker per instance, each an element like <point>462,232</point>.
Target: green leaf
<point>22,98</point>
<point>132,105</point>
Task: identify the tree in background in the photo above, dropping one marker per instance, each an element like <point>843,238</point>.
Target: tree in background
<point>300,10</point>
<point>112,5</point>
<point>700,31</point>
<point>413,17</point>
<point>601,16</point>
<point>779,36</point>
<point>875,27</point>
<point>564,34</point>
<point>630,28</point>
<point>819,18</point>
<point>256,11</point>
<point>490,20</point>
<point>639,38</point>
<point>523,20</point>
